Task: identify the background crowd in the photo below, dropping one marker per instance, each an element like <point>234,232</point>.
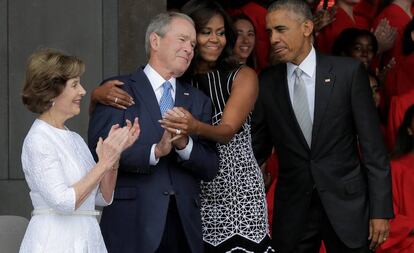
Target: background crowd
<point>227,46</point>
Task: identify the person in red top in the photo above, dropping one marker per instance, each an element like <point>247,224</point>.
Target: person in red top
<point>400,80</point>
<point>246,39</point>
<point>344,18</point>
<point>398,14</point>
<point>257,11</point>
<point>399,88</point>
<point>398,106</point>
<point>367,9</point>
<point>401,237</point>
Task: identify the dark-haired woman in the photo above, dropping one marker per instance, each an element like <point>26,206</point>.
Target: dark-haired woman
<point>401,237</point>
<point>233,205</point>
<point>246,40</point>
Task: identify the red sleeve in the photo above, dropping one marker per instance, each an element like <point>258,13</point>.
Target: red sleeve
<point>398,106</point>
<point>403,223</point>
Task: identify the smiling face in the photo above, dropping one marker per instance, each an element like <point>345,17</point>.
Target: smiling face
<point>67,104</point>
<point>211,40</point>
<point>246,39</point>
<point>290,35</point>
<point>172,53</point>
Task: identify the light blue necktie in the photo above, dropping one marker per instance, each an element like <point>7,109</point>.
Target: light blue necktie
<point>166,101</point>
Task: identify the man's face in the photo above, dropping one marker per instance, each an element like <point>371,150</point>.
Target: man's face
<point>290,36</point>
<point>175,49</point>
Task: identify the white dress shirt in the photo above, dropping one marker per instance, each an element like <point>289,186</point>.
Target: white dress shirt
<point>156,81</point>
<point>308,66</point>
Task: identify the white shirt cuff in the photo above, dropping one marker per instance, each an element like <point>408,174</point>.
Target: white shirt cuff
<point>186,152</point>
<point>153,160</point>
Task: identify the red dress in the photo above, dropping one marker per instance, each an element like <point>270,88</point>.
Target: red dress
<point>399,240</point>
<point>327,36</point>
<point>399,19</point>
<point>398,107</point>
<point>400,79</point>
<point>366,9</point>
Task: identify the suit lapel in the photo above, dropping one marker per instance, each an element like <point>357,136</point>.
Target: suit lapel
<point>182,96</point>
<point>144,91</point>
<point>286,104</point>
<point>324,83</point>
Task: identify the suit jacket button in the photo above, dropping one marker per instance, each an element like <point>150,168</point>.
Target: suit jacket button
<point>166,193</point>
<point>172,193</point>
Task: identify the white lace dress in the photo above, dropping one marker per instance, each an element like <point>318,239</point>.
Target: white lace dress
<point>54,159</point>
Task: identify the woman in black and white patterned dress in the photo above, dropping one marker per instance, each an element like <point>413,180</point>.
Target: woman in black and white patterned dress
<point>233,206</point>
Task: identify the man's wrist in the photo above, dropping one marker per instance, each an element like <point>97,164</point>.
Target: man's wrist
<point>157,152</point>
<point>181,143</point>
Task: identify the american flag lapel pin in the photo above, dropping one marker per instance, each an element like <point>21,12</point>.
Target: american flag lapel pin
<point>327,81</point>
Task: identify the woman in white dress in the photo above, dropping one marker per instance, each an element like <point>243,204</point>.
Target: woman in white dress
<point>64,180</point>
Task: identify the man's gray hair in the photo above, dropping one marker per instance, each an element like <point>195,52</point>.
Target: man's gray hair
<point>160,25</point>
<point>299,7</point>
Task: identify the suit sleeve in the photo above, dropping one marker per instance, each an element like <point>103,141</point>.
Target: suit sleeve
<point>203,161</point>
<point>374,155</point>
<point>261,138</point>
<point>134,159</point>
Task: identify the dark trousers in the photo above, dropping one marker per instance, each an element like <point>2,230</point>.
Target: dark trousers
<point>173,239</point>
<point>319,228</point>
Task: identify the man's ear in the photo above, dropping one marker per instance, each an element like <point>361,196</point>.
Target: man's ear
<point>410,132</point>
<point>154,41</point>
<point>307,27</point>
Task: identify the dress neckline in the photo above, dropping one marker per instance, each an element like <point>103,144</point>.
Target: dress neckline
<point>65,130</point>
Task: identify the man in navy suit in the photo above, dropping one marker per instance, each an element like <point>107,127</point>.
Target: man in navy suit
<point>317,111</point>
<point>156,201</point>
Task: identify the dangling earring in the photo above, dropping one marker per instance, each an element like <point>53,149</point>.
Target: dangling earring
<point>53,103</point>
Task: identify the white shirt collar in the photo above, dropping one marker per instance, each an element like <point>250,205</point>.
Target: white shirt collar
<point>308,65</point>
<point>156,79</point>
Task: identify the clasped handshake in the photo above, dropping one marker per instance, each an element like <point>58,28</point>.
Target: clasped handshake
<point>178,124</point>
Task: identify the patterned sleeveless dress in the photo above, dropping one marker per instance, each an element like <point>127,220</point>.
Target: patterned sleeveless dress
<point>233,205</point>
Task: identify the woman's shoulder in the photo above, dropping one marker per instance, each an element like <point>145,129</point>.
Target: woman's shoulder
<point>241,70</point>
<point>37,140</point>
<point>37,131</point>
<point>244,73</point>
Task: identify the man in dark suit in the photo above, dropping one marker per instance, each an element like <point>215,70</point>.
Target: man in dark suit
<point>156,201</point>
<point>317,111</point>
